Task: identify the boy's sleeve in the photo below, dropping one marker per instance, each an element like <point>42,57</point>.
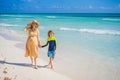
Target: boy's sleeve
<point>55,44</point>
<point>45,44</point>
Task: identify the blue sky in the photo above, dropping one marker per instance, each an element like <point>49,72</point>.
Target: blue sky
<point>59,6</point>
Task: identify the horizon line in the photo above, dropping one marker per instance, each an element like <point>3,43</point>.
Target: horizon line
<point>60,13</point>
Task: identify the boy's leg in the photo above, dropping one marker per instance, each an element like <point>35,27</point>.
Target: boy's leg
<point>51,55</point>
<point>49,63</point>
<point>52,63</point>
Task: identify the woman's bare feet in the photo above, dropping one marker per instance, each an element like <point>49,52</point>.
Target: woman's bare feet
<point>32,64</point>
<point>36,67</point>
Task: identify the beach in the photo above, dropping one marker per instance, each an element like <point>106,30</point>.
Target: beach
<point>88,47</point>
<point>18,67</point>
<point>91,67</point>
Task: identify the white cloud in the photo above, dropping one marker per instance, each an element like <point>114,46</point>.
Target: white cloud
<point>55,6</point>
<point>27,0</point>
<point>118,5</point>
<point>105,8</point>
<point>37,7</point>
<point>90,7</point>
<point>83,7</point>
<point>102,7</point>
<point>14,6</point>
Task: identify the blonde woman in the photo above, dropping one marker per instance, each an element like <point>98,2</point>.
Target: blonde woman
<point>33,42</point>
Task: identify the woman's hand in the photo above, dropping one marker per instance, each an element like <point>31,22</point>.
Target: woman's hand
<point>25,30</point>
<point>39,46</point>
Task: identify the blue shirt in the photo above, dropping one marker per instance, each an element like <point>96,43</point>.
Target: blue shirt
<point>52,43</point>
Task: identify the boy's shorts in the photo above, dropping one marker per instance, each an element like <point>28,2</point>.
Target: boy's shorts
<point>51,54</point>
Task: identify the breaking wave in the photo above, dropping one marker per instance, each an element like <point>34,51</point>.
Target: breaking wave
<point>95,31</point>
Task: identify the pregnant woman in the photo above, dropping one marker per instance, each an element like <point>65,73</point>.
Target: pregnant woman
<point>33,42</point>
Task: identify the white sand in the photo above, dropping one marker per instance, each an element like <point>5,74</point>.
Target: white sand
<point>18,67</point>
<point>87,66</point>
<point>82,67</point>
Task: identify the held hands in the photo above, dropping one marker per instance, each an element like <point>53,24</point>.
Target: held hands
<point>39,46</point>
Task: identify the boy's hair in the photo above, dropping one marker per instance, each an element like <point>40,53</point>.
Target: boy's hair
<point>50,32</point>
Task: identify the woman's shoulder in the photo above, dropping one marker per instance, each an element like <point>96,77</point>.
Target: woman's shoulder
<point>37,30</point>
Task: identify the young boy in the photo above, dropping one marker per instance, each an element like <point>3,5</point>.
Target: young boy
<point>51,40</point>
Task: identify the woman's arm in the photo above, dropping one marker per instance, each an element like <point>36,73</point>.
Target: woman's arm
<point>27,28</point>
<point>38,38</point>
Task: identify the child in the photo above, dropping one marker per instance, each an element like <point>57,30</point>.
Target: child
<point>51,40</point>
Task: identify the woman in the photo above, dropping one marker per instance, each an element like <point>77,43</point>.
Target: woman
<point>33,41</point>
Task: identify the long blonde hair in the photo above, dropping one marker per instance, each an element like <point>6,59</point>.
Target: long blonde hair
<point>34,21</point>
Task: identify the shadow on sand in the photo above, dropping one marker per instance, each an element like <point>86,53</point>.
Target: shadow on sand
<point>21,64</point>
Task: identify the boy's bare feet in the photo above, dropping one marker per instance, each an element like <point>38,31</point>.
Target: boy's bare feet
<point>48,66</point>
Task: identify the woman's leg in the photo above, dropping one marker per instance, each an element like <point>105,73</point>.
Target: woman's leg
<point>35,60</point>
<point>31,60</point>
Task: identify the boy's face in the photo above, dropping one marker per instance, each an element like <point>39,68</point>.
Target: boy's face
<point>51,34</point>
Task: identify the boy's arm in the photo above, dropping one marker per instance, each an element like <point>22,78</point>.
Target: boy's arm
<point>45,44</point>
<point>55,43</point>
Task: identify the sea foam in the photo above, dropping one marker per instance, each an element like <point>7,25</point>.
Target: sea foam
<point>51,16</point>
<point>4,24</point>
<point>95,31</point>
<point>111,19</point>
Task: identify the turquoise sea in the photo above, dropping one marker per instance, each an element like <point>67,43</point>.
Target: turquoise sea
<point>98,34</point>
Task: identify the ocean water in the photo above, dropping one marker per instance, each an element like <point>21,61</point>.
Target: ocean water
<point>98,34</point>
